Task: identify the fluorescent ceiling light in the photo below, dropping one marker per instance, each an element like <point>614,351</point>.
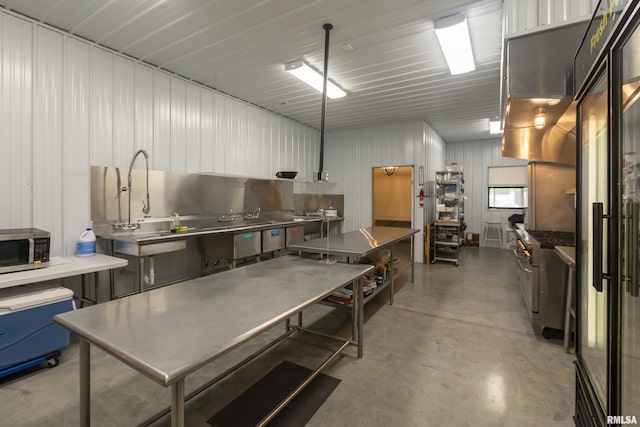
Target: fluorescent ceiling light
<point>494,127</point>
<point>453,35</point>
<point>304,72</point>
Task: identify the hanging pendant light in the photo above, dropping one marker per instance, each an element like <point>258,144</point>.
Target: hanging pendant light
<point>390,170</point>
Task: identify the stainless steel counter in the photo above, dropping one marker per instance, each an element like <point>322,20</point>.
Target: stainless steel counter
<point>567,254</point>
<point>152,240</point>
<point>205,229</point>
<point>169,332</point>
<point>360,243</point>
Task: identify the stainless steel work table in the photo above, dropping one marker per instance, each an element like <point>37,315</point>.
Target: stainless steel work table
<point>170,332</point>
<point>360,243</point>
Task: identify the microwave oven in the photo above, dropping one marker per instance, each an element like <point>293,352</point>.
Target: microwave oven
<point>24,249</point>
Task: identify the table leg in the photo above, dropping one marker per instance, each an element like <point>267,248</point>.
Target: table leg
<point>96,280</point>
<point>177,404</point>
<point>300,319</point>
<point>85,383</point>
<point>412,257</point>
<point>391,277</point>
<point>568,310</point>
<point>360,315</point>
<point>354,316</point>
<point>141,274</point>
<point>83,278</point>
<point>112,274</point>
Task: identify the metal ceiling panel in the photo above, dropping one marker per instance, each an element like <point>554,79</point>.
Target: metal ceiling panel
<point>395,70</point>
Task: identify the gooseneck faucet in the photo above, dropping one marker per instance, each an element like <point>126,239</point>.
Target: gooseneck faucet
<point>146,207</point>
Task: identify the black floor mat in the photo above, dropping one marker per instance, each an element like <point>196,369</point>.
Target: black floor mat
<point>258,400</point>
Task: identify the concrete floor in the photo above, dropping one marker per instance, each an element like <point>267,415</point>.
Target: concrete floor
<point>455,349</point>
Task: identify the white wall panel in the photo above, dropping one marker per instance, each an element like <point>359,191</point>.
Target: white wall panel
<point>312,148</point>
<point>47,135</point>
<point>206,130</point>
<point>256,146</point>
<point>278,135</point>
<point>435,153</point>
<point>475,158</point>
<point>220,139</point>
<point>67,104</point>
<point>178,148</point>
<point>16,88</point>
<point>242,149</point>
<point>123,110</point>
<point>76,207</point>
<point>289,158</point>
<point>101,107</point>
<point>192,139</point>
<point>231,134</point>
<point>161,155</point>
<point>521,16</point>
<point>143,109</point>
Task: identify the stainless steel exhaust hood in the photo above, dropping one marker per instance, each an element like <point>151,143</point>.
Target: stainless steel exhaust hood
<point>539,80</point>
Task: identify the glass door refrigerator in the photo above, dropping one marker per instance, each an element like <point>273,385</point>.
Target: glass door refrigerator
<point>629,224</point>
<point>607,72</point>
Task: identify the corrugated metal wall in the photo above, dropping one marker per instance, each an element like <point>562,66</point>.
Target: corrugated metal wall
<point>526,15</point>
<point>350,154</point>
<point>66,104</point>
<point>475,158</point>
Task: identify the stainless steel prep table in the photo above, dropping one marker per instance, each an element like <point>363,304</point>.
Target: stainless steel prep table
<point>360,243</point>
<point>167,332</point>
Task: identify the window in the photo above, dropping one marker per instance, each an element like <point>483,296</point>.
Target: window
<point>508,187</point>
<point>508,197</point>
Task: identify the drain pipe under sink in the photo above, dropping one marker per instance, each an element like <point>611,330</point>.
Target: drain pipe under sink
<point>151,277</point>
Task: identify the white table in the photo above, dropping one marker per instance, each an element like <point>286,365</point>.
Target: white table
<point>170,332</point>
<point>61,267</point>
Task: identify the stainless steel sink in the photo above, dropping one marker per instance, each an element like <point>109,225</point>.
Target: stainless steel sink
<point>228,240</point>
<point>138,245</point>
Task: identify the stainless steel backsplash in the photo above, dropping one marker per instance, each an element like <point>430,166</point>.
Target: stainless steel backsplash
<point>199,195</point>
<point>186,194</point>
<point>304,203</point>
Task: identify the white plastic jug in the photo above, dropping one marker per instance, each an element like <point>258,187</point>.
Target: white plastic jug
<point>86,246</point>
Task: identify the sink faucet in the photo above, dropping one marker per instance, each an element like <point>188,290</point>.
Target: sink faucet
<point>255,214</point>
<point>146,207</point>
<point>228,216</point>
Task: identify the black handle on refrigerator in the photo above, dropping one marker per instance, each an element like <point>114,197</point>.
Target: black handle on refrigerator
<point>631,247</point>
<point>597,245</point>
